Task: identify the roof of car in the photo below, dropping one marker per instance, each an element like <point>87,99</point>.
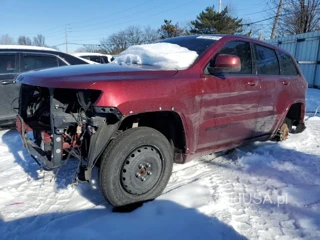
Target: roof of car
<point>25,47</point>
<point>217,37</point>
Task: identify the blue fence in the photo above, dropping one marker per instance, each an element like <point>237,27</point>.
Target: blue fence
<point>306,49</point>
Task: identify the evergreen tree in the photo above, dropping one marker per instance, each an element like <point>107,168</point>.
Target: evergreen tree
<point>212,22</point>
<point>168,30</point>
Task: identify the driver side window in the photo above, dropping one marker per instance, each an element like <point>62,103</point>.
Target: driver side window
<point>240,49</point>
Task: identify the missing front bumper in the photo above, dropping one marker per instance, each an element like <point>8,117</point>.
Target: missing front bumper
<point>65,123</point>
<point>41,157</point>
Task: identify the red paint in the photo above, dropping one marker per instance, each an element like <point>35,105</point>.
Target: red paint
<point>216,113</point>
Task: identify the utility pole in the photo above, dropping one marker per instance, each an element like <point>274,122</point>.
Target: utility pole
<point>273,33</point>
<point>66,39</point>
<point>220,6</point>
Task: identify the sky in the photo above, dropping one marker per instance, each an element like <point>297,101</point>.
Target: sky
<point>87,22</point>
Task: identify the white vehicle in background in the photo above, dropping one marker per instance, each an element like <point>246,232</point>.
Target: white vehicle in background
<point>86,60</point>
<point>95,57</point>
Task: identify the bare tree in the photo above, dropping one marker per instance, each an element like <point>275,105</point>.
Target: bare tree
<point>296,16</point>
<point>39,40</point>
<point>89,48</point>
<point>115,43</point>
<point>150,35</point>
<point>251,30</point>
<point>186,26</point>
<point>24,40</point>
<point>132,35</point>
<point>6,40</point>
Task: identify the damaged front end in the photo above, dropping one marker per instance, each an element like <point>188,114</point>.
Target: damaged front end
<point>65,123</point>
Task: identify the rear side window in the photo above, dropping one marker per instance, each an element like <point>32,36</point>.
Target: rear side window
<point>96,59</point>
<point>287,65</point>
<point>32,62</point>
<point>7,63</point>
<point>243,51</point>
<point>267,61</point>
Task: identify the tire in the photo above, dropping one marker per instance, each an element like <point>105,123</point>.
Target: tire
<point>135,167</point>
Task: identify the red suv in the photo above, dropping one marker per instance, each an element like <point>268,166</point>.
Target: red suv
<point>136,119</point>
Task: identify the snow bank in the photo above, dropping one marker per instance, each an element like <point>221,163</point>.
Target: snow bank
<point>163,55</point>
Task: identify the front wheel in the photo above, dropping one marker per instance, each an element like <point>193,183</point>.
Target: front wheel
<point>136,167</point>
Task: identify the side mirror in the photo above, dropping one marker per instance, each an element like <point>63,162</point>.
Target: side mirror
<point>225,63</point>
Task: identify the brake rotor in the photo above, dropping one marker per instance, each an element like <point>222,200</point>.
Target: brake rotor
<point>284,132</point>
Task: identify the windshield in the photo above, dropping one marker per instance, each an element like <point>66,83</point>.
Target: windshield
<point>168,56</point>
<point>174,53</point>
<point>198,44</point>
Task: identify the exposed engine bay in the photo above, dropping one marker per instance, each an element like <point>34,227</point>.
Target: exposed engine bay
<point>65,123</point>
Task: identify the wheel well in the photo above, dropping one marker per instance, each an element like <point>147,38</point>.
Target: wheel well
<point>294,113</point>
<point>167,122</point>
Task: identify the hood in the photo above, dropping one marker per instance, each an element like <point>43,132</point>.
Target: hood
<point>83,76</point>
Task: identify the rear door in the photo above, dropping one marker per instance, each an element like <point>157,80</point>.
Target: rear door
<point>289,79</point>
<point>268,69</point>
<point>9,92</point>
<point>230,101</point>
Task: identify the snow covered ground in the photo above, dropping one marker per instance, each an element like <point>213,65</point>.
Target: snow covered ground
<point>262,191</point>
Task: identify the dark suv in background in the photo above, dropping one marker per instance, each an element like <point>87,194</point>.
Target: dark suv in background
<point>16,59</point>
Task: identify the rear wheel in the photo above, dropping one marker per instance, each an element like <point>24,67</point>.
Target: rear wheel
<point>136,167</point>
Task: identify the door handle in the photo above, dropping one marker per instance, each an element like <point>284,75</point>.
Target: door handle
<point>285,82</point>
<point>251,83</point>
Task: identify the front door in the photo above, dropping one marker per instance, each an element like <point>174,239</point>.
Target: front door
<point>9,91</point>
<point>229,102</point>
<point>271,89</point>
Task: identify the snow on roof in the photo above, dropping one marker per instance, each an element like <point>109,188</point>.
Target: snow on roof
<point>216,38</point>
<point>25,47</point>
<point>164,55</point>
<point>81,54</point>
